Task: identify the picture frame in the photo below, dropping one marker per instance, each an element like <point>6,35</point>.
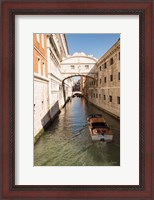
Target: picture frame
<point>12,8</point>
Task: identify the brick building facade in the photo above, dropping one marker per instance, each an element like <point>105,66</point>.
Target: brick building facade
<point>104,91</point>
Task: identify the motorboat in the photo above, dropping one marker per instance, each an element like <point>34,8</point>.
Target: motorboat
<point>99,129</point>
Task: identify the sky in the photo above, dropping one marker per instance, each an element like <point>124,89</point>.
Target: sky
<point>91,44</point>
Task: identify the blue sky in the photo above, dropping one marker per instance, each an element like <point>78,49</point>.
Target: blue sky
<point>91,44</point>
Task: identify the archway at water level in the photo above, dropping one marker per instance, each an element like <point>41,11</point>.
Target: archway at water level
<point>82,83</point>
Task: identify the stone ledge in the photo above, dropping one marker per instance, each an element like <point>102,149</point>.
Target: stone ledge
<point>38,135</point>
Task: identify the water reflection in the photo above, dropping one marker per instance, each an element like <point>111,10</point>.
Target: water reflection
<point>67,141</point>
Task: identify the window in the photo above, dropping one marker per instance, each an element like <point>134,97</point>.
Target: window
<point>43,68</point>
<point>42,36</point>
<point>110,98</point>
<point>72,67</point>
<point>111,77</point>
<point>39,65</point>
<point>104,79</point>
<point>100,68</point>
<point>105,65</point>
<point>96,95</point>
<point>104,97</point>
<point>118,75</point>
<point>42,105</point>
<point>87,66</point>
<point>118,100</point>
<point>111,61</point>
<point>38,37</point>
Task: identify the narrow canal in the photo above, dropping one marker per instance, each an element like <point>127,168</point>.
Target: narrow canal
<point>67,141</point>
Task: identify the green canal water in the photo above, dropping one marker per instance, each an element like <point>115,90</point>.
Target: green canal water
<point>67,141</point>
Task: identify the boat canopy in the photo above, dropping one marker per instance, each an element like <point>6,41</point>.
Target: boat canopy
<point>99,125</point>
<point>94,115</point>
<point>97,120</point>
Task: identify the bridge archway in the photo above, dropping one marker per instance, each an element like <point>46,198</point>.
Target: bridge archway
<point>69,77</point>
<point>78,64</point>
<point>78,75</point>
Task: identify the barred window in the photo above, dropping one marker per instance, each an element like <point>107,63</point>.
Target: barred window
<point>118,100</point>
<point>118,75</point>
<point>72,66</point>
<point>105,65</point>
<point>111,61</point>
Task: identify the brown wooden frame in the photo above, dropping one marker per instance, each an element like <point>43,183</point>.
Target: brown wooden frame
<point>11,8</point>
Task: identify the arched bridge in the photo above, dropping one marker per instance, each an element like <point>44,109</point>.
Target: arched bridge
<point>79,64</point>
<point>76,92</point>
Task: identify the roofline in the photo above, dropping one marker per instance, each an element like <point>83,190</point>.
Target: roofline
<point>92,58</point>
<point>112,48</point>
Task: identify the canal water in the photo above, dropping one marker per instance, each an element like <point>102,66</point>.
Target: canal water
<point>67,141</point>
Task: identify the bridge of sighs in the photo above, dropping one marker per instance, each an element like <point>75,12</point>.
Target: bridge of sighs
<point>79,64</point>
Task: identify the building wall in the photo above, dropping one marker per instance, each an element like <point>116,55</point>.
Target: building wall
<point>104,92</point>
<point>82,83</point>
<point>41,104</point>
<point>57,50</point>
<point>40,55</point>
<point>41,83</point>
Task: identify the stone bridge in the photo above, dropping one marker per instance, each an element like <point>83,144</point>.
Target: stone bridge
<point>76,92</point>
<point>79,64</point>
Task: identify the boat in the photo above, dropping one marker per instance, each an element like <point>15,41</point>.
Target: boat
<point>99,129</point>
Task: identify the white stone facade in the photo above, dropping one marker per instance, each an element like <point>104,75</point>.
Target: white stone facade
<point>57,50</point>
<point>41,104</point>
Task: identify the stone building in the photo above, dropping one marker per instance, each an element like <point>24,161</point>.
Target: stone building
<point>82,83</point>
<point>57,50</point>
<point>41,83</point>
<point>104,91</point>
